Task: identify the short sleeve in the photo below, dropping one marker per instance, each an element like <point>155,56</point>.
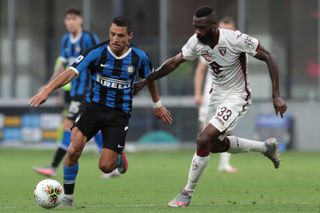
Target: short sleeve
<point>96,39</point>
<point>84,60</point>
<point>63,47</point>
<point>188,50</point>
<point>246,43</point>
<point>146,67</point>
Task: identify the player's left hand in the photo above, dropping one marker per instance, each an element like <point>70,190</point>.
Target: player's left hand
<point>39,98</point>
<point>163,114</point>
<point>279,105</point>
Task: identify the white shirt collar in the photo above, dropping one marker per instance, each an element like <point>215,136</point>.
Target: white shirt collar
<point>119,57</point>
<point>75,39</point>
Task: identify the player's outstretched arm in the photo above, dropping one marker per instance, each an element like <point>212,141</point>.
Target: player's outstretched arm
<point>159,111</point>
<point>62,79</point>
<point>167,67</point>
<point>279,104</point>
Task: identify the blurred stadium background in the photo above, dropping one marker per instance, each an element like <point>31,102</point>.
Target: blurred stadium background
<point>29,43</point>
<point>30,32</point>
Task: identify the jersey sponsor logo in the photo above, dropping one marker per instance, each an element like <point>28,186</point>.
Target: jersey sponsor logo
<point>79,59</point>
<point>205,54</point>
<point>222,50</point>
<point>113,83</point>
<point>131,68</point>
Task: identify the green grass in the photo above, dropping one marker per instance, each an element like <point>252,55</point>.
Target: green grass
<point>154,178</point>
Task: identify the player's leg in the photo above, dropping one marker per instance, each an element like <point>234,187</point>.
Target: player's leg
<point>60,152</point>
<point>99,141</point>
<point>268,148</point>
<point>114,135</point>
<point>224,163</point>
<point>68,122</point>
<point>198,165</point>
<point>71,166</point>
<point>85,127</point>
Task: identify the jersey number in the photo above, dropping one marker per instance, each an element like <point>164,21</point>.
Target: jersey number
<point>225,113</point>
<point>215,67</point>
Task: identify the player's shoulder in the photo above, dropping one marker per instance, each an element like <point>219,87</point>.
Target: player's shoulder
<point>139,52</point>
<point>230,35</point>
<point>98,48</point>
<point>65,37</point>
<point>88,34</point>
<point>193,40</point>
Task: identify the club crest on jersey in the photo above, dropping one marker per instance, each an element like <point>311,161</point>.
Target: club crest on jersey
<point>222,50</point>
<point>130,69</point>
<point>205,54</point>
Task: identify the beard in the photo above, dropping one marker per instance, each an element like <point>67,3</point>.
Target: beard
<point>206,38</point>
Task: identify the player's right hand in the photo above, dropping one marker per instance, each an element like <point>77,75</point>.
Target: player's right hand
<point>279,105</point>
<point>163,114</point>
<point>39,98</point>
<point>198,99</point>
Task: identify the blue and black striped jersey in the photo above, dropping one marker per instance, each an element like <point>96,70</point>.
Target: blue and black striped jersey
<point>112,77</point>
<point>71,48</point>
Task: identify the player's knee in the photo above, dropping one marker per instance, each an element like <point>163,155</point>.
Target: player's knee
<point>67,124</point>
<point>107,167</point>
<point>203,142</point>
<point>219,146</point>
<point>73,153</point>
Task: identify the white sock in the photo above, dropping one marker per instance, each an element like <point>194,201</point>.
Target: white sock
<point>239,145</point>
<point>197,167</point>
<point>224,160</point>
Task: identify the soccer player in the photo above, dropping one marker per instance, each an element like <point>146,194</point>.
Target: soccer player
<point>114,67</point>
<point>202,98</point>
<point>72,44</point>
<point>225,53</point>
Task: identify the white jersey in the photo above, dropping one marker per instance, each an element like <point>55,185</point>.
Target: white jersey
<point>227,61</point>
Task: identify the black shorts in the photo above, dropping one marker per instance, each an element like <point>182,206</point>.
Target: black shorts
<point>112,123</point>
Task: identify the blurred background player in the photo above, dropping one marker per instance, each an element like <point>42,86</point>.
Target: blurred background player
<point>114,68</point>
<point>72,44</point>
<point>202,99</point>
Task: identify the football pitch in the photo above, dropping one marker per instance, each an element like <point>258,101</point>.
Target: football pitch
<point>154,178</point>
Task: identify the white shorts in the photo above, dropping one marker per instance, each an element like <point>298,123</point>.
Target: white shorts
<point>225,112</point>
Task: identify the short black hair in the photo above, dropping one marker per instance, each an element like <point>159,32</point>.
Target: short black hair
<point>206,11</point>
<point>123,21</point>
<point>73,11</point>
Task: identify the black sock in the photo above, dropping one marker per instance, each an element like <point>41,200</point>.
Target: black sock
<point>68,188</point>
<point>60,153</point>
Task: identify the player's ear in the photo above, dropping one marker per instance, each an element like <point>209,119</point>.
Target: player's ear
<point>130,36</point>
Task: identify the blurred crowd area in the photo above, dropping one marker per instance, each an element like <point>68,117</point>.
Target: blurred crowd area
<point>30,32</point>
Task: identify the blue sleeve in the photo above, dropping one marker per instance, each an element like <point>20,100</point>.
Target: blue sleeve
<point>146,67</point>
<point>85,59</point>
<point>96,39</point>
<point>63,45</point>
